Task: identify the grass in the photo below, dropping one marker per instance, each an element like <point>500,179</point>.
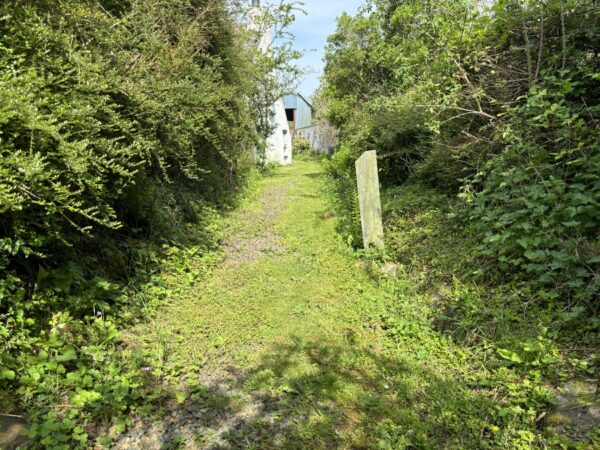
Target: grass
<point>289,343</point>
<point>241,308</point>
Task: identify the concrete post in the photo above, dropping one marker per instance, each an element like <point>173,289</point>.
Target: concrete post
<point>367,177</point>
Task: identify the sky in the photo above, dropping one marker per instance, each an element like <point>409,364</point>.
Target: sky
<point>311,33</point>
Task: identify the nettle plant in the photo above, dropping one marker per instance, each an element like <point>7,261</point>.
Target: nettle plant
<point>539,201</point>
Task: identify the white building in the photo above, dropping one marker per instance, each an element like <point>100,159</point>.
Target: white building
<point>279,144</point>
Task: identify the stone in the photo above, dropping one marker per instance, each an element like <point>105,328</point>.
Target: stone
<point>578,410</point>
<point>367,177</point>
<point>10,432</point>
<point>390,269</point>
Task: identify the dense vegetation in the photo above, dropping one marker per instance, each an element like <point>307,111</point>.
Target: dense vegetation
<point>126,126</point>
<point>485,119</point>
<point>123,126</point>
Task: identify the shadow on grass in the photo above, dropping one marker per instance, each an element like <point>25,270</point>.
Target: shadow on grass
<point>314,175</point>
<point>308,394</point>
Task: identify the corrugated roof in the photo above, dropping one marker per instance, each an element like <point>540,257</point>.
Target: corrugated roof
<point>303,99</point>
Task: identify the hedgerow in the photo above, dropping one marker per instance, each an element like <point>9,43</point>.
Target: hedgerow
<point>124,125</point>
<point>484,116</point>
<point>498,103</point>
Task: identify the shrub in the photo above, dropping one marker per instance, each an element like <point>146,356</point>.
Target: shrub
<point>301,145</point>
<point>124,125</point>
<point>499,104</point>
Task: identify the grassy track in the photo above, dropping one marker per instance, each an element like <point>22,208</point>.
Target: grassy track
<point>283,346</point>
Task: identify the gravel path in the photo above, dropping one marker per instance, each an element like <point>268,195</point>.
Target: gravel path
<point>273,349</point>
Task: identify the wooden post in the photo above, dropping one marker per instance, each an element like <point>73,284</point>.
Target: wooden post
<point>367,177</point>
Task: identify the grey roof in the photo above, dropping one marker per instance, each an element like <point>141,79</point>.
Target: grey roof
<point>296,95</point>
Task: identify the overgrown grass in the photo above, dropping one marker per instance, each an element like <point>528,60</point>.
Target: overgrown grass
<point>303,348</point>
<point>518,343</point>
<point>282,339</point>
<point>74,379</point>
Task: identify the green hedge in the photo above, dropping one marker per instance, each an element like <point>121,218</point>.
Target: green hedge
<point>123,125</point>
<point>100,101</point>
<point>499,105</point>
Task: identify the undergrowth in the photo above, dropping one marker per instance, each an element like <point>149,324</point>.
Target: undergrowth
<point>506,342</point>
<point>71,374</point>
<point>487,153</point>
<point>123,134</point>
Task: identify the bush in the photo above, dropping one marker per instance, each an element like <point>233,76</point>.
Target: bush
<point>504,112</point>
<point>301,145</point>
<point>124,126</point>
<point>537,203</point>
<point>96,105</point>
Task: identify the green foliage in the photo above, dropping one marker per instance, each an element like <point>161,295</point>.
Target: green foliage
<point>537,203</point>
<point>343,193</point>
<point>509,336</point>
<point>124,127</point>
<point>63,354</point>
<point>301,145</point>
<point>499,104</point>
<point>485,121</point>
<point>92,113</point>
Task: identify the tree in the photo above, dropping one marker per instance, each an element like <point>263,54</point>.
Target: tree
<point>274,72</point>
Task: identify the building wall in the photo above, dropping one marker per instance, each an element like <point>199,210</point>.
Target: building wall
<point>279,144</point>
<point>303,114</point>
<point>322,137</point>
<point>302,108</point>
<point>291,101</point>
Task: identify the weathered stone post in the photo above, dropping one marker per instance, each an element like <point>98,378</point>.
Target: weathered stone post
<point>367,177</point>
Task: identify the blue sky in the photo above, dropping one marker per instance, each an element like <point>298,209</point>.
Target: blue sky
<point>311,33</point>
